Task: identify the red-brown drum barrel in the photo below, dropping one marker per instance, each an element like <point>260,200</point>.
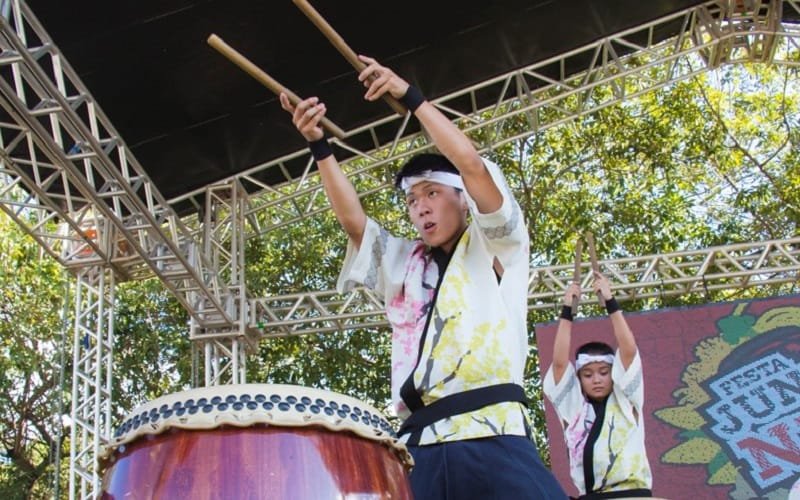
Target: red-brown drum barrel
<point>255,441</point>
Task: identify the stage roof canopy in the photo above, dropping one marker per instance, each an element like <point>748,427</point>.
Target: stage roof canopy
<point>191,117</point>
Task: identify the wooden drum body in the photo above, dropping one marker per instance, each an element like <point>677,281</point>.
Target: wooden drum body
<point>255,441</point>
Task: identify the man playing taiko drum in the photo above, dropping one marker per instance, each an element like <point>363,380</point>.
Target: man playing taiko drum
<point>456,299</point>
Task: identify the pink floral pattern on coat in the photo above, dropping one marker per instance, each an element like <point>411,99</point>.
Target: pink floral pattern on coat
<point>407,312</point>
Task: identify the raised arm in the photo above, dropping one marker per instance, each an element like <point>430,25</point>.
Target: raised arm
<point>340,191</point>
<point>564,334</point>
<point>625,340</point>
<point>450,141</point>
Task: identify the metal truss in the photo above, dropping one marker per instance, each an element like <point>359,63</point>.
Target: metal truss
<point>675,274</point>
<point>225,347</point>
<point>92,375</point>
<point>546,94</point>
<point>225,360</point>
<point>70,181</point>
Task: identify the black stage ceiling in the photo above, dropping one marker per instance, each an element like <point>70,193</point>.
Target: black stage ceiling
<point>191,117</point>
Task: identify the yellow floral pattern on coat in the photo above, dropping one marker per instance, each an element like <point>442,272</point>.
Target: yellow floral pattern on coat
<point>616,434</point>
<point>455,361</point>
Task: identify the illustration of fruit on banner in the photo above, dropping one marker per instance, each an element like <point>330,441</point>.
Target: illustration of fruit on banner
<point>739,409</point>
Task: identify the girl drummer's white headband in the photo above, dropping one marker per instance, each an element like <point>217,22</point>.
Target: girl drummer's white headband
<point>446,178</point>
<point>585,359</point>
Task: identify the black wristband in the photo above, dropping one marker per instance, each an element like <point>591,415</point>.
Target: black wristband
<point>320,149</point>
<point>612,305</point>
<point>566,312</point>
<point>413,98</point>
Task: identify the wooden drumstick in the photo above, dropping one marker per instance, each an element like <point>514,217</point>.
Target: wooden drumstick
<point>576,273</point>
<point>593,259</point>
<point>266,80</point>
<point>343,48</point>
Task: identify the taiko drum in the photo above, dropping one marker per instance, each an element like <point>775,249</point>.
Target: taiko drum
<point>255,441</point>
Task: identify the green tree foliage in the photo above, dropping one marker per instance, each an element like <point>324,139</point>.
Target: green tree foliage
<point>32,289</point>
<point>152,354</point>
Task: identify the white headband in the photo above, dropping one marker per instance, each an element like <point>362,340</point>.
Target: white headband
<point>446,178</point>
<point>585,359</point>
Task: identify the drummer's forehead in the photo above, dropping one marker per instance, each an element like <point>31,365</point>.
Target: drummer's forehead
<point>595,366</point>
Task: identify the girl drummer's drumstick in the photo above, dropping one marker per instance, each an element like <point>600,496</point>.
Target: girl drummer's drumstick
<point>343,48</point>
<point>256,72</point>
<point>593,259</point>
<point>576,274</point>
